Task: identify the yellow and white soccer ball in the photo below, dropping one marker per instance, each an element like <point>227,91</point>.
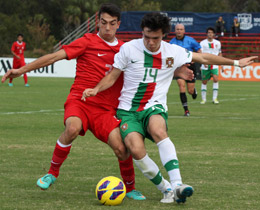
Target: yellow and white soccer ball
<point>110,191</point>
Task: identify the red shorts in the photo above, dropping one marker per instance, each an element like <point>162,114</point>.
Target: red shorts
<point>99,120</point>
<point>18,63</point>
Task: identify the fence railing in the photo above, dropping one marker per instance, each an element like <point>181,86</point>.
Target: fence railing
<point>88,26</point>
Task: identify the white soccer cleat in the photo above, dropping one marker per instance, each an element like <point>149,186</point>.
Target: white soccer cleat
<point>203,102</point>
<point>215,101</point>
<point>181,192</point>
<point>168,196</point>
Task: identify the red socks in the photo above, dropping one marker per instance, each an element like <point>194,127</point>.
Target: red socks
<point>127,173</point>
<point>59,155</point>
<point>24,77</point>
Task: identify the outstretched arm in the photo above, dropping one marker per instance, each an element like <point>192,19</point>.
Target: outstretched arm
<point>104,84</point>
<point>38,63</point>
<point>206,58</point>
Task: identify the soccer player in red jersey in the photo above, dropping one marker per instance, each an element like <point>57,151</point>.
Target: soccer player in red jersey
<point>95,56</point>
<point>17,50</point>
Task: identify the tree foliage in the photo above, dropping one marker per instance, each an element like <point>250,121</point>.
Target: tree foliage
<point>44,22</point>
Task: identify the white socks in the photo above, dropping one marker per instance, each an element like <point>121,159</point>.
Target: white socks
<point>215,90</point>
<point>169,160</point>
<point>203,92</point>
<point>152,172</point>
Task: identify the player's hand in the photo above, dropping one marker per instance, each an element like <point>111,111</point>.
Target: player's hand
<point>184,72</point>
<point>12,73</point>
<point>17,56</point>
<point>88,93</point>
<point>247,61</point>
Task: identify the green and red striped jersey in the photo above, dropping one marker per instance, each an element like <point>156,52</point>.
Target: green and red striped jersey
<point>147,75</point>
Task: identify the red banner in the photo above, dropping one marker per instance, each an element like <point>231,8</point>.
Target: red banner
<point>249,73</point>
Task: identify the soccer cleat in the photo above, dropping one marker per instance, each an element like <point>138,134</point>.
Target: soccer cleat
<point>195,94</point>
<point>168,196</point>
<point>27,85</point>
<point>10,84</point>
<point>136,195</point>
<point>45,182</point>
<point>203,102</point>
<point>181,192</point>
<point>215,101</point>
<point>187,113</point>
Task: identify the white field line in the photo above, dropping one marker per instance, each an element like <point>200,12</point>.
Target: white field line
<point>61,110</point>
<point>32,112</point>
<point>222,100</point>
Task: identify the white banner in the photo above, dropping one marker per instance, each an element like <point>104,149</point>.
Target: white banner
<point>63,68</point>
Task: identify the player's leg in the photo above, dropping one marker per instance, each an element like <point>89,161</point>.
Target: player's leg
<point>132,133</point>
<point>192,90</point>
<point>135,143</point>
<point>24,75</point>
<point>76,122</point>
<point>182,87</point>
<point>62,148</point>
<point>215,86</point>
<point>105,127</point>
<point>16,65</point>
<point>158,130</point>
<point>126,166</point>
<point>205,75</point>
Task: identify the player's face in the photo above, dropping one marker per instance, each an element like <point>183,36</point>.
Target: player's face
<point>152,39</point>
<point>179,31</point>
<point>108,26</point>
<point>210,34</point>
<point>19,38</point>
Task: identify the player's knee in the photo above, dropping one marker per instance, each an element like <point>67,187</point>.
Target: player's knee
<point>72,131</point>
<point>159,134</point>
<point>121,152</point>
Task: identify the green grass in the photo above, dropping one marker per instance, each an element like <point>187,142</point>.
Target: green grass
<point>218,148</point>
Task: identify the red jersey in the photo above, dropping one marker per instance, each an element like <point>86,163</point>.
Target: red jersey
<point>94,60</point>
<point>19,48</point>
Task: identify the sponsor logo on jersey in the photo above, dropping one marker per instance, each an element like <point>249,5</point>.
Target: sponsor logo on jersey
<point>169,62</point>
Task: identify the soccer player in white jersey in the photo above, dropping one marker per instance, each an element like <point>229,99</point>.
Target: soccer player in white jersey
<point>212,46</point>
<point>148,65</point>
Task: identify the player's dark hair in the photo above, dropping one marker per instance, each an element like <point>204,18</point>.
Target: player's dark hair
<point>20,35</point>
<point>210,29</point>
<point>155,21</point>
<point>111,9</point>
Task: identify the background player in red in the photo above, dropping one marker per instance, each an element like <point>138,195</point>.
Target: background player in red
<point>17,50</point>
<point>95,56</point>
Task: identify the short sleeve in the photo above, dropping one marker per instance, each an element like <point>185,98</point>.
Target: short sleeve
<point>121,58</point>
<point>76,48</point>
<point>183,56</point>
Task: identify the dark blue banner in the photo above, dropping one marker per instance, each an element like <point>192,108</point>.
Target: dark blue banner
<point>196,22</point>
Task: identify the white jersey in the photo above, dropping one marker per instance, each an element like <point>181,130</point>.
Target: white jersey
<point>147,75</point>
<point>213,47</point>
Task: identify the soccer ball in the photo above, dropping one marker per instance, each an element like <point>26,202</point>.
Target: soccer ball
<point>110,191</point>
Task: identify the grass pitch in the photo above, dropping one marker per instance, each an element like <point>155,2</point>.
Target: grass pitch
<point>218,148</point>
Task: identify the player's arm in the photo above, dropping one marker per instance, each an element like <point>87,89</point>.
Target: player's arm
<point>17,56</point>
<point>104,84</point>
<point>38,63</point>
<point>206,58</point>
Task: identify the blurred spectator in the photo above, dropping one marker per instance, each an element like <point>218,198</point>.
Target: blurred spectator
<point>235,28</point>
<point>219,26</point>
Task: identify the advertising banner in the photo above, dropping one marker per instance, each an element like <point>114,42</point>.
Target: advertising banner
<point>196,22</point>
<point>248,73</point>
<point>63,68</point>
